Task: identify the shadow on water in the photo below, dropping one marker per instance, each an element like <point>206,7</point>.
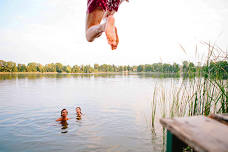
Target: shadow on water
<point>78,118</point>
<point>64,126</point>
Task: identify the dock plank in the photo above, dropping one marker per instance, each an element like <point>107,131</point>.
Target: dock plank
<point>201,133</point>
<point>220,117</point>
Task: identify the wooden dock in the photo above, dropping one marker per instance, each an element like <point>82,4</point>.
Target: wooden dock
<point>203,134</point>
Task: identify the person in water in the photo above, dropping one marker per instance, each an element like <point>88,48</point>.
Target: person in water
<point>63,117</point>
<point>78,113</point>
<point>98,10</point>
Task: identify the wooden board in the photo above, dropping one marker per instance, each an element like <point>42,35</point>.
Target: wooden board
<point>220,117</point>
<point>201,133</point>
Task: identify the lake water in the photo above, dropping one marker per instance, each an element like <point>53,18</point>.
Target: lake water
<point>116,108</point>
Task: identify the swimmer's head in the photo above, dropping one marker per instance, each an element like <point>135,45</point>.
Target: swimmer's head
<point>64,113</point>
<point>78,110</point>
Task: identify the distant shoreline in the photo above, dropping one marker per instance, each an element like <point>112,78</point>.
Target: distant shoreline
<point>28,72</point>
<point>59,73</point>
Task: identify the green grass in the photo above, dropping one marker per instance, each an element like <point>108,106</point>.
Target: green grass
<point>202,95</point>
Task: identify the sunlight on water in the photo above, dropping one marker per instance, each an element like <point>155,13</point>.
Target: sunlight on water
<point>116,108</point>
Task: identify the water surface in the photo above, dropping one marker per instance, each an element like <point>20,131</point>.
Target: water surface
<point>117,113</point>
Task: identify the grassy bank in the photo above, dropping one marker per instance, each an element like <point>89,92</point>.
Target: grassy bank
<point>196,95</point>
<point>190,95</point>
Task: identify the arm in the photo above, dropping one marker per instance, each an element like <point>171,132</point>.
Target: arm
<point>59,119</point>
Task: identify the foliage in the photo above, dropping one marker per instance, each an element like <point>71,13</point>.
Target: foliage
<point>59,67</point>
<point>188,69</point>
<point>195,95</point>
<point>22,68</point>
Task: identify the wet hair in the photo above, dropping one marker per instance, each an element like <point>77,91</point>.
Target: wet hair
<point>79,108</point>
<point>62,111</point>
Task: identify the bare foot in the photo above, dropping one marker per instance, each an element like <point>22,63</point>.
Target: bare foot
<point>117,40</point>
<point>110,31</point>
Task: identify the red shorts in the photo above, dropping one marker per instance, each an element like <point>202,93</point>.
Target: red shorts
<point>104,4</point>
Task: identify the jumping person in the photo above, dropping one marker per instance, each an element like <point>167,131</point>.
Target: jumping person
<point>98,10</point>
<point>63,117</point>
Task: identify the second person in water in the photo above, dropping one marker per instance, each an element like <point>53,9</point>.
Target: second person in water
<point>64,114</point>
<point>78,113</point>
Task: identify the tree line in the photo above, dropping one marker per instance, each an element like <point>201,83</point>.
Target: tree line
<point>186,67</point>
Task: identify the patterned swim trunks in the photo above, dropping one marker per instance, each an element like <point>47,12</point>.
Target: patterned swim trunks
<point>109,5</point>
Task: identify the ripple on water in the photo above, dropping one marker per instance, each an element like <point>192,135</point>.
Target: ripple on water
<point>106,131</point>
<point>111,123</point>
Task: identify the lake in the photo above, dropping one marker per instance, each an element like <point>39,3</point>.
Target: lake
<point>116,108</point>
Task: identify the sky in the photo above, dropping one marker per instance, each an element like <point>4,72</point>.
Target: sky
<point>50,31</point>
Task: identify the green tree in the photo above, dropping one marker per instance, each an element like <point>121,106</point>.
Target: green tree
<point>110,68</point>
<point>157,67</point>
<point>67,69</point>
<point>96,67</point>
<point>103,68</point>
<point>32,67</point>
<point>166,68</point>
<point>140,68</point>
<point>185,67</point>
<point>50,67</point>
<point>2,65</point>
<point>75,69</point>
<point>148,68</point>
<point>82,68</point>
<point>22,68</point>
<point>40,68</point>
<point>121,68</point>
<point>10,67</point>
<point>88,69</point>
<point>176,68</point>
<point>59,67</point>
<point>191,67</point>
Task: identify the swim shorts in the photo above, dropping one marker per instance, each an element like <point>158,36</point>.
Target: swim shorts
<point>109,5</point>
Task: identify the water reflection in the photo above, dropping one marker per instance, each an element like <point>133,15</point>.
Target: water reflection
<point>94,75</point>
<point>8,76</point>
<point>157,75</point>
<point>64,126</point>
<point>113,104</point>
<point>78,117</point>
<point>57,76</point>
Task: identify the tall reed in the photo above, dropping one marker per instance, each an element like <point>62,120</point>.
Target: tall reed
<point>201,95</point>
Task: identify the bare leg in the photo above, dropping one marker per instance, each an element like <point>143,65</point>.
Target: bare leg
<point>110,30</point>
<point>117,40</point>
<point>93,27</point>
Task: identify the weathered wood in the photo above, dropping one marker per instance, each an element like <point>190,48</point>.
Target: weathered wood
<point>223,118</point>
<point>201,133</point>
<point>174,144</point>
